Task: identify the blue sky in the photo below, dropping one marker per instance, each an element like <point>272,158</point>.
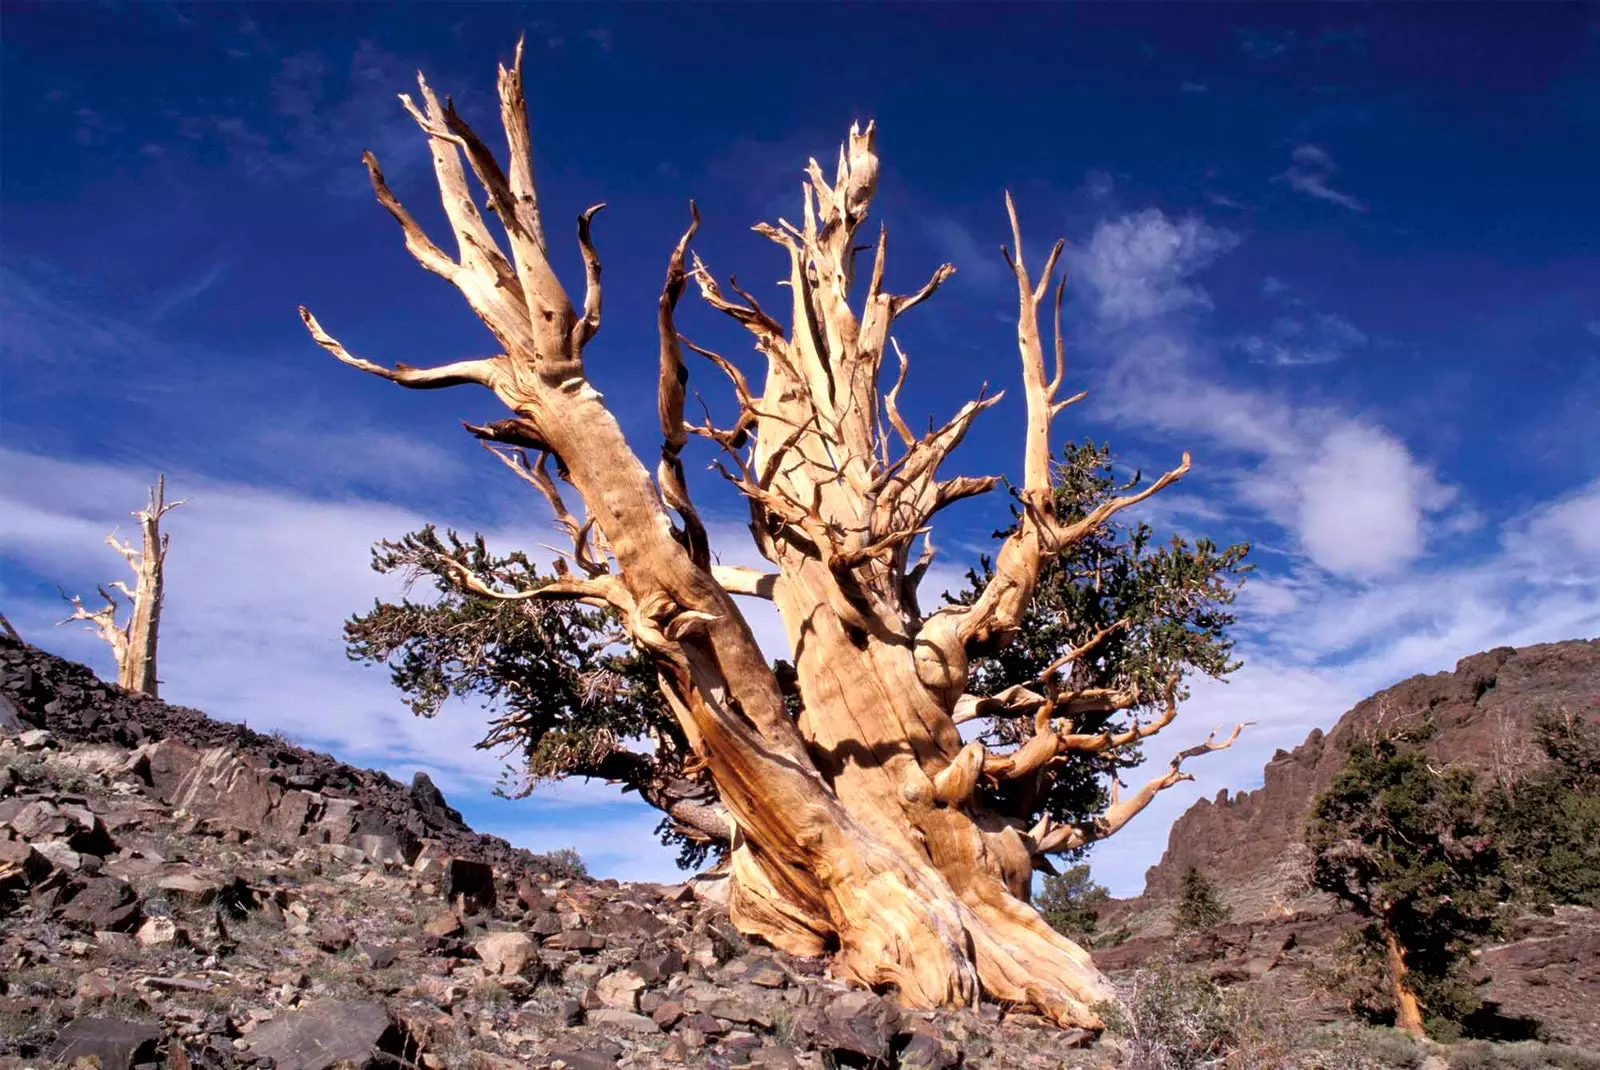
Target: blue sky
<point>1347,255</point>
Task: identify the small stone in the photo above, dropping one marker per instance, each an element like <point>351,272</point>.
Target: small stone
<point>157,932</point>
<point>764,972</point>
<point>442,925</point>
<point>333,936</point>
<point>924,1052</point>
<point>93,988</point>
<point>112,1043</point>
<point>610,1017</point>
<point>585,1059</point>
<point>60,855</point>
<point>620,990</point>
<point>191,887</point>
<point>36,739</point>
<point>322,1034</point>
<point>657,968</point>
<point>576,940</point>
<point>707,1025</point>
<point>504,954</point>
<point>104,903</point>
<point>667,1013</point>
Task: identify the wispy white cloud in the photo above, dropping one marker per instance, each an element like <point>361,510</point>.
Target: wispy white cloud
<point>956,243</point>
<point>1348,490</point>
<point>1361,600</point>
<point>1139,266</point>
<point>1309,171</point>
<point>1320,338</point>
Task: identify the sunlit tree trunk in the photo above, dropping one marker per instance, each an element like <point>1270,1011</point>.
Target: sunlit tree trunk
<point>855,826</point>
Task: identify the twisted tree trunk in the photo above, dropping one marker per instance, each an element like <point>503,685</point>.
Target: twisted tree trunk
<point>854,826</point>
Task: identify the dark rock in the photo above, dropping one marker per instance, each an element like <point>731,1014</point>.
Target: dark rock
<point>761,971</point>
<point>380,956</point>
<point>666,1013</point>
<point>924,1052</point>
<point>595,1057</point>
<point>859,1023</point>
<point>430,803</point>
<point>117,1044</point>
<point>104,903</point>
<point>656,969</point>
<point>11,722</point>
<point>326,1032</point>
<point>333,936</point>
<point>576,940</point>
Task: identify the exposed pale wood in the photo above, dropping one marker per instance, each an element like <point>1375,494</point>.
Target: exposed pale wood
<point>854,825</point>
<point>133,643</point>
<point>1407,1008</point>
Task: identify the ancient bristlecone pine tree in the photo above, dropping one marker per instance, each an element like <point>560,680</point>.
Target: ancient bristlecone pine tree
<point>133,643</point>
<point>855,823</point>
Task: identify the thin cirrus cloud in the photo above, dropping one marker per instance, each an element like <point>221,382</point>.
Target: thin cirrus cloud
<point>1310,169</point>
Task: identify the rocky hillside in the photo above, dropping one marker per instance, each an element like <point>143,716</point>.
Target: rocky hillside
<point>1482,711</point>
<point>184,892</point>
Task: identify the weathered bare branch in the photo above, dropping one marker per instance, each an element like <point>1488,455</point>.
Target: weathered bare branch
<point>741,579</point>
<point>674,376</point>
<point>589,322</point>
<point>1122,810</point>
<point>481,372</point>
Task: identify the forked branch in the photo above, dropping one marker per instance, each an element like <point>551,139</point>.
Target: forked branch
<point>1052,839</point>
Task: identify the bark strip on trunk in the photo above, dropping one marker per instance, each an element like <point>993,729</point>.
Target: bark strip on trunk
<point>1407,1008</point>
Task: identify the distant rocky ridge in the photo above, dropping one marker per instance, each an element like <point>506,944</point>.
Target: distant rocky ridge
<point>1544,974</point>
<point>1483,714</point>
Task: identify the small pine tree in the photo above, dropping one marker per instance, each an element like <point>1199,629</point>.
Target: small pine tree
<point>1403,844</point>
<point>1071,902</point>
<point>1199,908</point>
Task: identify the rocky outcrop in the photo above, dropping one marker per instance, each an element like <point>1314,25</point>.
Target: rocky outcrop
<point>1482,712</point>
<point>239,782</point>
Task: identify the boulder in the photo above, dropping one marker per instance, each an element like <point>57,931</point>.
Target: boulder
<point>620,990</point>
<point>114,1043</point>
<point>325,1033</point>
<point>429,801</point>
<point>104,904</point>
<point>505,954</point>
<point>190,887</point>
<point>11,722</point>
<point>227,793</point>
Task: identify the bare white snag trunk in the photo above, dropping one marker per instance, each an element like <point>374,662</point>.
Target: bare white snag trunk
<point>133,644</point>
<point>856,828</point>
